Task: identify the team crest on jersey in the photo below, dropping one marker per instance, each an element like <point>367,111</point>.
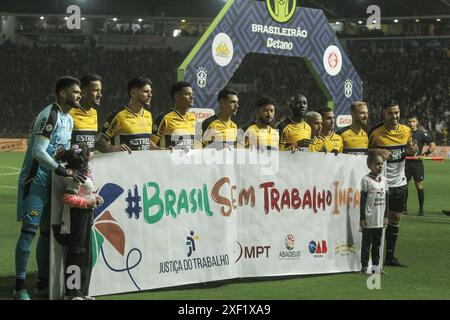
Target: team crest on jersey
<point>34,213</point>
<point>48,128</point>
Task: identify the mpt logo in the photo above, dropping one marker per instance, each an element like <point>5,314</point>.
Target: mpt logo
<point>252,252</point>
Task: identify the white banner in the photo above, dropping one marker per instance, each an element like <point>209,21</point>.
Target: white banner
<point>171,219</point>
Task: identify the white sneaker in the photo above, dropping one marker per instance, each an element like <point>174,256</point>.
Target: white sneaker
<point>88,298</point>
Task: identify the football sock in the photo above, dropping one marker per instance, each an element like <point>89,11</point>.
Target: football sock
<point>421,195</point>
<point>23,248</point>
<point>391,239</point>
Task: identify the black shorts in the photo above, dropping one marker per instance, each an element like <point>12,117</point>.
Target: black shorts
<point>397,199</point>
<point>414,169</point>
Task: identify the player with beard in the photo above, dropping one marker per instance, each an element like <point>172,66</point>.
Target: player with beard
<point>219,131</point>
<point>260,135</point>
<point>294,132</point>
<point>85,123</point>
<point>354,136</point>
<point>396,138</point>
<point>130,127</point>
<point>51,131</point>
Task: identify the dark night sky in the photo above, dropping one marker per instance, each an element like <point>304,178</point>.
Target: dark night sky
<point>210,8</point>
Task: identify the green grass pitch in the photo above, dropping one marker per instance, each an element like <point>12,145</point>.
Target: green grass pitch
<point>424,244</point>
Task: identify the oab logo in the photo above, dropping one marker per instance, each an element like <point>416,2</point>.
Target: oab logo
<point>281,12</point>
<point>332,60</point>
<point>222,49</point>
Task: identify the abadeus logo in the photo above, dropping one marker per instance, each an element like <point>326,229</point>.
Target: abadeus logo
<point>289,243</point>
<point>318,248</point>
<point>281,12</point>
<point>252,252</point>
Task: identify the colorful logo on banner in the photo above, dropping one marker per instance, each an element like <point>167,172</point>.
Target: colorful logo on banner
<point>281,12</point>
<point>289,243</point>
<point>318,248</point>
<point>192,262</point>
<point>106,227</point>
<point>190,242</point>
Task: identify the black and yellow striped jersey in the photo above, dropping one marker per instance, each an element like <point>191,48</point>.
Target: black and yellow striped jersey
<point>126,127</point>
<point>354,142</point>
<point>85,126</point>
<point>291,132</point>
<point>333,143</point>
<point>396,142</point>
<point>173,129</point>
<point>318,145</point>
<point>216,133</point>
<point>265,138</point>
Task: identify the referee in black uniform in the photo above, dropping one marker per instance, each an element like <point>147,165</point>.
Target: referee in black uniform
<point>414,168</point>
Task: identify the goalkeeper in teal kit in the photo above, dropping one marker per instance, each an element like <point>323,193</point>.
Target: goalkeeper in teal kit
<point>50,132</point>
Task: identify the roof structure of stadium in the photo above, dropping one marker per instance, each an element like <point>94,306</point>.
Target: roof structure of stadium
<point>209,8</point>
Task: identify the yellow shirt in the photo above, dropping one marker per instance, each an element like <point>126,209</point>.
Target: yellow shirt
<point>291,132</point>
<point>85,126</point>
<point>396,142</point>
<point>267,138</point>
<point>126,127</point>
<point>216,133</point>
<point>173,129</point>
<point>318,145</point>
<point>354,142</point>
<point>333,143</point>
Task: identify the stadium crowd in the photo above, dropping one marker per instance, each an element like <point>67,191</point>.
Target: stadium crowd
<point>417,78</point>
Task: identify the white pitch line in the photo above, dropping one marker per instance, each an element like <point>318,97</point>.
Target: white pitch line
<point>10,173</point>
<point>8,187</point>
<point>7,167</point>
